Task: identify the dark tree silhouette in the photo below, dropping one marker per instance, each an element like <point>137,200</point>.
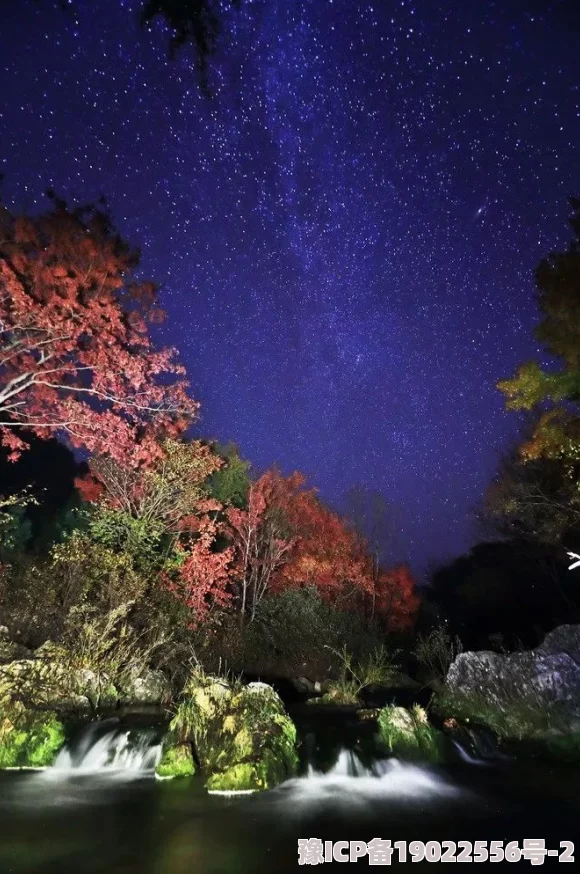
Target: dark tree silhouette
<point>192,22</point>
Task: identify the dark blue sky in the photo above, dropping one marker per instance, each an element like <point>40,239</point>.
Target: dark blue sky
<point>345,234</point>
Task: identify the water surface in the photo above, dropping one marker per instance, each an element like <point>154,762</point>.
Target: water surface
<point>115,818</point>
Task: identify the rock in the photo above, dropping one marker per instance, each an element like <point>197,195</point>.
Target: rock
<point>304,686</point>
<point>176,761</point>
<point>399,680</point>
<point>147,687</point>
<point>29,739</point>
<point>409,734</point>
<point>564,639</point>
<point>40,683</point>
<point>243,737</point>
<point>523,694</point>
<point>11,651</point>
<point>98,688</point>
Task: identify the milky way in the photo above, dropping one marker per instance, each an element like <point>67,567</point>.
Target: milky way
<point>345,233</point>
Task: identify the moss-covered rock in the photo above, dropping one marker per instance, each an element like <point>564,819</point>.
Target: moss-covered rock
<point>243,737</point>
<point>10,650</point>
<point>176,761</point>
<point>407,733</point>
<point>519,723</point>
<point>44,685</point>
<point>49,682</point>
<point>29,739</point>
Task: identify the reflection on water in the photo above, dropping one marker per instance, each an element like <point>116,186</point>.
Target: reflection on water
<point>104,813</point>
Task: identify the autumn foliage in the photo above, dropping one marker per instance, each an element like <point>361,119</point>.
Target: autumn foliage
<point>396,601</point>
<point>77,362</point>
<point>287,538</point>
<point>76,357</point>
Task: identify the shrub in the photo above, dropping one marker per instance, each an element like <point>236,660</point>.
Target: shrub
<point>436,651</point>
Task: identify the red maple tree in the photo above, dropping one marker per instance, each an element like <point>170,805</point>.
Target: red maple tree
<point>328,554</point>
<point>286,537</point>
<point>76,356</point>
<point>395,598</point>
<point>203,580</point>
<point>263,535</point>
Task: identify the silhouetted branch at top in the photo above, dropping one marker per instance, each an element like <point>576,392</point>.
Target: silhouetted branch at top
<point>195,23</point>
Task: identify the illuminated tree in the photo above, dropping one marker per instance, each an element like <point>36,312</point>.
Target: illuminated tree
<point>76,356</point>
<point>555,392</point>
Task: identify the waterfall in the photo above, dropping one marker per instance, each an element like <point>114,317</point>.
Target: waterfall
<point>111,747</point>
<point>351,783</point>
<point>347,764</point>
<point>477,747</point>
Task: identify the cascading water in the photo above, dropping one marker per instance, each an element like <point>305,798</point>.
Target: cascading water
<point>478,747</point>
<point>112,748</point>
<point>350,782</point>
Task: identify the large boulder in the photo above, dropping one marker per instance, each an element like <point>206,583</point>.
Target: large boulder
<point>145,687</point>
<point>243,738</point>
<point>43,684</point>
<point>523,694</point>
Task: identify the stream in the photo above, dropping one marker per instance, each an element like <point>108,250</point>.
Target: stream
<point>100,810</point>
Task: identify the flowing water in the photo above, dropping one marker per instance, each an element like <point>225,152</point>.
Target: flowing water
<point>107,746</point>
<point>100,810</point>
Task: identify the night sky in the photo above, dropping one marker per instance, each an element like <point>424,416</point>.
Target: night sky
<point>345,234</point>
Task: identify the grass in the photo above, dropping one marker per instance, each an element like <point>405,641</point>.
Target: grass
<point>509,719</point>
<point>376,669</point>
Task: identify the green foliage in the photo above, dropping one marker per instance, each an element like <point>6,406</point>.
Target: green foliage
<point>138,539</point>
<point>29,740</point>
<point>409,734</point>
<point>176,761</point>
<point>93,571</point>
<point>376,668</point>
<point>15,528</point>
<point>555,392</point>
<point>318,631</point>
<point>107,645</point>
<point>436,651</point>
<point>230,484</point>
<point>537,500</point>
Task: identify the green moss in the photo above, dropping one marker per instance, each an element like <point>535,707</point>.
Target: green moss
<point>108,696</point>
<point>510,719</point>
<point>243,743</point>
<point>176,761</point>
<point>243,737</point>
<point>408,734</point>
<point>246,776</point>
<point>30,740</point>
<point>522,722</point>
<point>238,778</point>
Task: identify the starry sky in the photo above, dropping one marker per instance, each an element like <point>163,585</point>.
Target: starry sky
<point>345,232</point>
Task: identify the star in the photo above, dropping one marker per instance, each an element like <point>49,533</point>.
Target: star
<point>334,309</point>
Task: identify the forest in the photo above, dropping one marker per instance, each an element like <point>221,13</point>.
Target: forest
<point>113,518</point>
